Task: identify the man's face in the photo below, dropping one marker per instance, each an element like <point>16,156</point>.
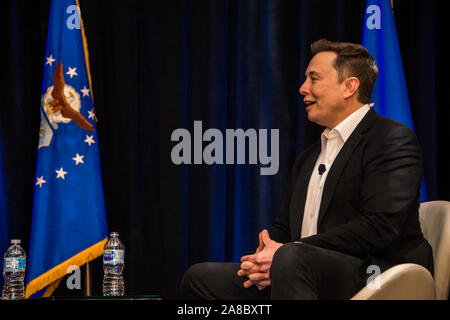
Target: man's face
<point>323,94</point>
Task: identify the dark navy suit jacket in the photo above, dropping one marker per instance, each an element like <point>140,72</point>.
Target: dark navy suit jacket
<point>370,201</point>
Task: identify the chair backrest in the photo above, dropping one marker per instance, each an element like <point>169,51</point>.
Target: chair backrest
<point>435,222</point>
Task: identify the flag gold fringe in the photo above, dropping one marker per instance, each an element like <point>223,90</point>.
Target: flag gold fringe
<point>53,277</point>
<point>86,52</point>
<point>51,288</point>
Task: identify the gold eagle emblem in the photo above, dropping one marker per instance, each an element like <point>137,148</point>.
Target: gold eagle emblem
<point>60,102</point>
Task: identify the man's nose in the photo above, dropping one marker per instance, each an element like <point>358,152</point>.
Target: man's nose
<point>304,88</point>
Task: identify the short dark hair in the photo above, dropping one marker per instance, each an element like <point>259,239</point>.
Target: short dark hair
<point>353,60</point>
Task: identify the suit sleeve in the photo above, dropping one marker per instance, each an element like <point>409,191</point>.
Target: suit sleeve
<point>280,231</point>
<point>389,191</point>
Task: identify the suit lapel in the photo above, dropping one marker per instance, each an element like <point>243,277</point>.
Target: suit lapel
<point>301,190</point>
<point>341,161</point>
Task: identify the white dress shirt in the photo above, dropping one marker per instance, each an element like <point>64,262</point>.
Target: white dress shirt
<point>332,142</point>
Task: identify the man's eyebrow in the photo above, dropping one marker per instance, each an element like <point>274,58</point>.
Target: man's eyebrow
<point>312,73</point>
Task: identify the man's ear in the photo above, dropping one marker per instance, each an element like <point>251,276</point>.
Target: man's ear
<point>351,86</point>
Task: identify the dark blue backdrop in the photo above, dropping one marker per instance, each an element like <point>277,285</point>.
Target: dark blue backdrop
<point>161,65</point>
<point>3,218</point>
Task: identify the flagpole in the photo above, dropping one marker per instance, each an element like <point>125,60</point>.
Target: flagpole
<point>87,280</point>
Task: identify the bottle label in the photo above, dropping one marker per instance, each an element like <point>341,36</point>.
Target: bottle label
<point>14,264</point>
<point>113,256</point>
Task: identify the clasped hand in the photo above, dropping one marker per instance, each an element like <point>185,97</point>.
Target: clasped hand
<point>256,267</point>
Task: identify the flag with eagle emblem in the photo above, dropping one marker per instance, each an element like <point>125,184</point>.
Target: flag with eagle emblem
<point>69,222</point>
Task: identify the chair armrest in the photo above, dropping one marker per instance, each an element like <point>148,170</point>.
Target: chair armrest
<point>402,282</point>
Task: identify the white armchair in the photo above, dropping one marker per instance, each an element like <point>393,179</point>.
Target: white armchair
<point>411,281</point>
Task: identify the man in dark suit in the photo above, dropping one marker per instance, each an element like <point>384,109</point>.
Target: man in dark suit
<point>353,199</point>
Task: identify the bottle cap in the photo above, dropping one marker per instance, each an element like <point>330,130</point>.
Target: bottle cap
<point>15,241</point>
<point>113,234</point>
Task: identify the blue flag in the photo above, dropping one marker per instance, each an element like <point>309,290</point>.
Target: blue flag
<point>390,93</point>
<point>69,222</point>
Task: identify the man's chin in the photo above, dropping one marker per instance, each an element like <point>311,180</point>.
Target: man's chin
<point>312,116</point>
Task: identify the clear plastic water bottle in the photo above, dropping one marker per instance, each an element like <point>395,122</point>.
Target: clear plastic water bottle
<point>113,265</point>
<point>14,264</point>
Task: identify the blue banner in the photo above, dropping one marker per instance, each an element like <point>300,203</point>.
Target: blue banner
<point>390,93</point>
<point>69,222</point>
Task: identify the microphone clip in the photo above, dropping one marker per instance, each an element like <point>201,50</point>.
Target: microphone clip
<point>322,169</point>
